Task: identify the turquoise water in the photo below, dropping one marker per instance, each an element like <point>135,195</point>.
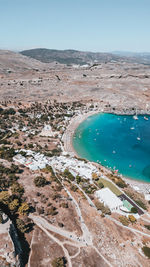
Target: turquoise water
<point>116,141</point>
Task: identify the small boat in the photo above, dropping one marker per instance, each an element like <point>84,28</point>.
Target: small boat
<point>135,117</point>
<point>138,138</point>
<point>132,128</point>
<point>145,118</point>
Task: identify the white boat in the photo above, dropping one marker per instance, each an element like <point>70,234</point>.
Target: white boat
<point>145,118</point>
<point>135,117</point>
<point>132,128</point>
<point>138,138</point>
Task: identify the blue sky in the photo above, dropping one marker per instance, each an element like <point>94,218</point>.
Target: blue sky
<point>88,25</point>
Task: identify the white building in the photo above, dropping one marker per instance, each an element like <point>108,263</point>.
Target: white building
<point>109,199</point>
<point>147,197</point>
<point>47,131</point>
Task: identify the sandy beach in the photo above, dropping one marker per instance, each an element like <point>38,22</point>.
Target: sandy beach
<point>74,123</point>
<point>139,186</point>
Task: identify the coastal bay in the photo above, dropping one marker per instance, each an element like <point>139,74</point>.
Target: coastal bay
<point>119,142</point>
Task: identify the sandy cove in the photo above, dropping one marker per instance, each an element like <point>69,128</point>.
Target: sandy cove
<point>74,123</point>
<point>139,186</point>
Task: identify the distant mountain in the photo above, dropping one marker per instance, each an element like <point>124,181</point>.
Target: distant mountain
<point>69,56</point>
<point>141,57</point>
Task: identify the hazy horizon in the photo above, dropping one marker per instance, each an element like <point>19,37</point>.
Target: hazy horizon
<point>113,52</point>
<point>84,25</point>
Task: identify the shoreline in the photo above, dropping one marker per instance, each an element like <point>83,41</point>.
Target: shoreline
<point>144,187</point>
<point>73,125</point>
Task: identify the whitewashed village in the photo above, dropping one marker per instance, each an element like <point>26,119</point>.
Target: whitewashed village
<point>68,198</point>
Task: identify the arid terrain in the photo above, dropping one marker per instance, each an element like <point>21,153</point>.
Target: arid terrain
<point>120,84</point>
<point>49,211</point>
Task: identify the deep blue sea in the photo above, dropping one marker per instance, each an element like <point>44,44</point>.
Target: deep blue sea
<point>117,142</point>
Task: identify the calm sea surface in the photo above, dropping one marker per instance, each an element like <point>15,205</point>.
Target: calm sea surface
<point>118,142</point>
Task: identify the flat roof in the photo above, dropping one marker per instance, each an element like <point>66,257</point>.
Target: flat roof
<point>109,198</point>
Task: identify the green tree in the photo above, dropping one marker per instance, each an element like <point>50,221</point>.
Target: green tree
<point>1,218</point>
<point>68,175</point>
<point>134,210</point>
<point>24,208</point>
<point>22,226</point>
<point>78,179</point>
<point>124,220</point>
<point>13,205</point>
<point>100,184</point>
<point>40,181</point>
<point>132,219</point>
<point>104,209</point>
<point>4,197</point>
<point>147,226</point>
<point>59,262</point>
<point>17,189</point>
<point>146,251</point>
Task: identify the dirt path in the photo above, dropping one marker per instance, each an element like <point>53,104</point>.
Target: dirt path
<point>82,241</point>
<point>58,242</point>
<point>32,241</point>
<point>69,235</point>
<point>86,237</point>
<point>45,226</point>
<point>127,227</point>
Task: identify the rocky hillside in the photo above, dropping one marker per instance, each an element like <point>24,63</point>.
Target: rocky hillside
<point>81,58</point>
<point>69,56</point>
<point>15,62</point>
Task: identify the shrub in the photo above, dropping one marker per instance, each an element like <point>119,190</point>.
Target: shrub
<point>40,181</point>
<point>48,169</point>
<point>64,205</point>
<point>141,204</point>
<point>9,111</point>
<point>147,226</point>
<point>121,183</point>
<point>40,210</point>
<point>24,208</point>
<point>68,175</point>
<point>58,187</point>
<point>22,226</point>
<point>1,218</point>
<point>134,210</point>
<point>124,220</point>
<point>132,219</point>
<point>74,188</point>
<point>95,176</point>
<point>13,205</point>
<point>51,211</point>
<point>19,143</point>
<point>30,146</point>
<point>17,189</point>
<point>104,209</point>
<point>4,197</point>
<point>146,251</point>
<point>7,153</point>
<point>78,179</point>
<point>100,184</point>
<point>59,262</point>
